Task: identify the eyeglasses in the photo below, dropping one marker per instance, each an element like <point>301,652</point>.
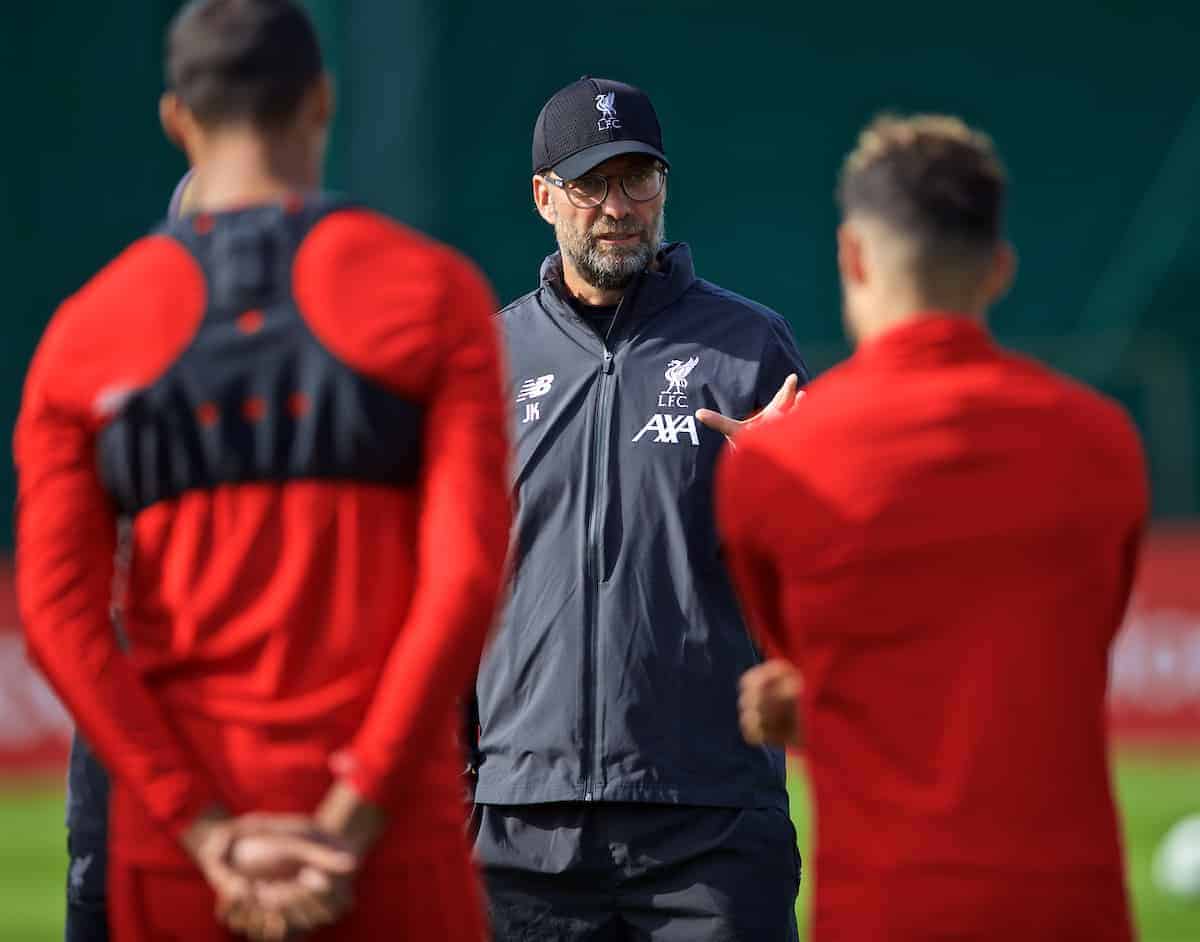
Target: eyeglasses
<point>590,190</point>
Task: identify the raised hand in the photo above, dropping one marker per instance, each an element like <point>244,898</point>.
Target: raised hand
<point>781,403</point>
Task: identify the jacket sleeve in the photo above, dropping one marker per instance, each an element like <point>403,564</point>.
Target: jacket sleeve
<point>66,543</point>
<point>462,544</point>
<point>1137,496</point>
<point>779,359</point>
<point>742,491</point>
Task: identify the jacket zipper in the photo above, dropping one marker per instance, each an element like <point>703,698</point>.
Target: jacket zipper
<point>600,436</point>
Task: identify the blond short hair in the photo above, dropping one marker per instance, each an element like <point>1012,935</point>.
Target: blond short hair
<point>931,177</point>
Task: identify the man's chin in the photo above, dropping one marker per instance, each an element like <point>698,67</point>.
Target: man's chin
<point>619,250</point>
<point>614,267</point>
<point>608,280</point>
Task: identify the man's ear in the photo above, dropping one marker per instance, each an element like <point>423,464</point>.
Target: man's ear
<point>851,254</point>
<point>320,102</point>
<point>543,199</point>
<point>1001,274</point>
<point>174,119</point>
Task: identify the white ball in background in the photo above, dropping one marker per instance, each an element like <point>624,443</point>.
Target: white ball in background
<point>1177,860</point>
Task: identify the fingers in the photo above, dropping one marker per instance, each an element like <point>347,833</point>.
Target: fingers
<point>321,903</point>
<point>717,422</point>
<point>281,875</point>
<point>260,857</point>
<point>314,899</point>
<point>305,851</point>
<point>231,886</point>
<point>750,714</point>
<point>269,846</point>
<point>228,883</point>
<point>280,856</point>
<point>291,904</point>
<point>767,704</point>
<point>265,925</point>
<point>786,394</point>
<point>246,915</point>
<point>783,401</point>
<point>280,909</point>
<point>750,722</point>
<point>336,891</point>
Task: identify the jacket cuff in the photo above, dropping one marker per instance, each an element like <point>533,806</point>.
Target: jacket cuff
<point>370,784</point>
<point>177,805</point>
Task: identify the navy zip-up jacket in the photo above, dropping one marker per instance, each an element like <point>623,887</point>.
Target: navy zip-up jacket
<point>613,673</point>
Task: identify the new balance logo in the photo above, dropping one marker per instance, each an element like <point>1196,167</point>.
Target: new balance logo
<point>668,428</point>
<point>535,388</point>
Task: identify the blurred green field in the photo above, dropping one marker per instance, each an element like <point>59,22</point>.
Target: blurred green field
<point>1154,793</point>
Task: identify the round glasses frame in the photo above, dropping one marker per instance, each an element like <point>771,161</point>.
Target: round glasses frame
<point>581,201</point>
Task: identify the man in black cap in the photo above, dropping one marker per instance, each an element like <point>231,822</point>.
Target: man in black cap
<point>615,796</point>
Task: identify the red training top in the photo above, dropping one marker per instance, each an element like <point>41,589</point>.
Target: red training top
<point>943,537</point>
<point>300,410</point>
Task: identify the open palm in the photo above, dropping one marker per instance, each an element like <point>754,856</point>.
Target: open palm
<point>781,403</point>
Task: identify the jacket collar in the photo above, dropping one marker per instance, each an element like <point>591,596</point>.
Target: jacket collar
<point>929,337</point>
<point>649,292</point>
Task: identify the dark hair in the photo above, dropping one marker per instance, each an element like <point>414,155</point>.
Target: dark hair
<point>932,178</point>
<point>242,60</point>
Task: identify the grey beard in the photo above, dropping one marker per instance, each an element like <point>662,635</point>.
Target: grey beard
<point>610,270</point>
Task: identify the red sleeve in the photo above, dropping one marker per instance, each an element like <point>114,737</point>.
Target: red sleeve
<point>1138,489</point>
<point>743,489</point>
<point>462,544</point>
<point>66,535</point>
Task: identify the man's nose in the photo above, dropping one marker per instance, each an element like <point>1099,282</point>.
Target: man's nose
<point>616,203</point>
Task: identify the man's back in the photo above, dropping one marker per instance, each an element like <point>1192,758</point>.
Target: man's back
<point>953,531</point>
<point>295,406</point>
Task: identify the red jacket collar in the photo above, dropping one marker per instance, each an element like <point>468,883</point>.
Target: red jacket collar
<point>930,336</point>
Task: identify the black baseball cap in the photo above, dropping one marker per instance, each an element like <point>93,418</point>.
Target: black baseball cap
<point>590,121</point>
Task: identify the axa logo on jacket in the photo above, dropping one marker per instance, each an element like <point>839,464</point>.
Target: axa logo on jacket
<point>668,427</point>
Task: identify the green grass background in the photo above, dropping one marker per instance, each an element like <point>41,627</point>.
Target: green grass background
<point>1154,793</point>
